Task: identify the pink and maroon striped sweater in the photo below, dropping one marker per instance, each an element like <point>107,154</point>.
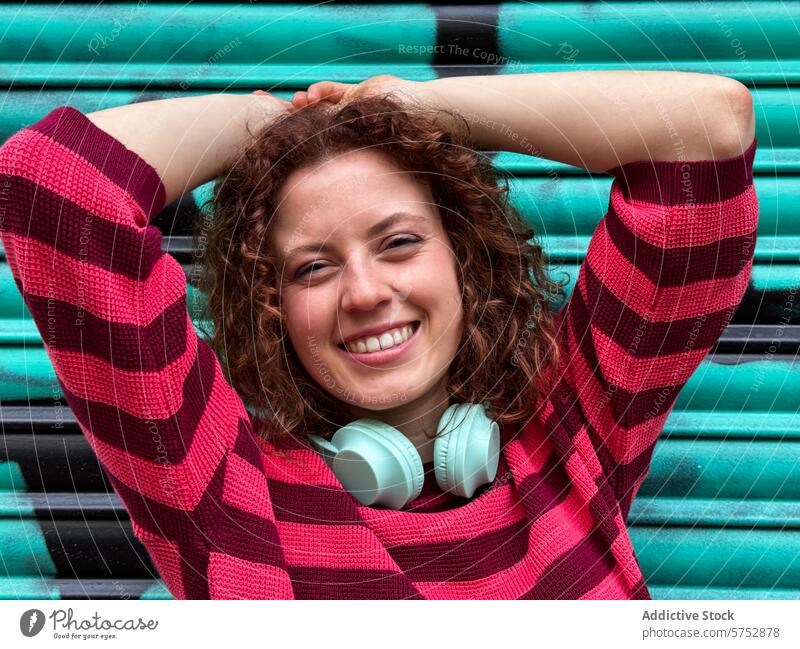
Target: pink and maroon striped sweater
<point>225,515</point>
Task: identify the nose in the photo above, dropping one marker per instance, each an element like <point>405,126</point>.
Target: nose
<point>363,287</point>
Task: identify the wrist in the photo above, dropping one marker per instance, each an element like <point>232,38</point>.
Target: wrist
<point>433,95</point>
<point>245,116</point>
<point>261,110</point>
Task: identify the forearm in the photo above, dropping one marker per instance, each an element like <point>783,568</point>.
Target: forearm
<point>188,140</point>
<point>599,120</point>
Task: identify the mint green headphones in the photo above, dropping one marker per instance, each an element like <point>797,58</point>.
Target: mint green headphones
<point>379,465</point>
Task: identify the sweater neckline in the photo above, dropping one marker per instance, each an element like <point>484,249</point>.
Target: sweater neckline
<point>427,496</point>
<point>420,505</point>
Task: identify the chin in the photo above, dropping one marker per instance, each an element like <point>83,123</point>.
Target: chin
<point>374,400</point>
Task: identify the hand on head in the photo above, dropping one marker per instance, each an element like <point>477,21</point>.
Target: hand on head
<point>335,91</point>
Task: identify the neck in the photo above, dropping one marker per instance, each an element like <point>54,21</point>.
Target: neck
<point>417,420</point>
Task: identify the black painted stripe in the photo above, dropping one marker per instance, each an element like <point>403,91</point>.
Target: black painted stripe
<point>91,589</point>
<point>39,417</point>
<point>72,505</point>
<point>100,549</point>
<point>54,463</point>
<point>466,40</point>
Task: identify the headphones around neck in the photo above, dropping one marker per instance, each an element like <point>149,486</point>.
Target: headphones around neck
<point>379,465</point>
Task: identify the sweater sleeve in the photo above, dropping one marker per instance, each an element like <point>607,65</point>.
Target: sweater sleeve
<point>664,273</point>
<point>147,392</point>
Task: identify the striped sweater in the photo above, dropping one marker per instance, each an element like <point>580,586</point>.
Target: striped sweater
<point>224,514</point>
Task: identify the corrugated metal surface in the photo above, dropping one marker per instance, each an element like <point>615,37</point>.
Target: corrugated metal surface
<point>719,514</point>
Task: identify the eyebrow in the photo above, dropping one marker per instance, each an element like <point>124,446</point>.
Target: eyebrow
<point>373,231</point>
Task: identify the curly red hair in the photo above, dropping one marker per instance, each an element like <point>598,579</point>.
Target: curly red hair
<point>507,356</point>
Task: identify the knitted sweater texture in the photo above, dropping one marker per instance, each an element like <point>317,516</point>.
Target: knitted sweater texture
<point>226,515</point>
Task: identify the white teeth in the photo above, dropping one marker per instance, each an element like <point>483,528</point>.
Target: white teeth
<point>386,340</point>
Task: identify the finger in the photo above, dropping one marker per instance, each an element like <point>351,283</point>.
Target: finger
<point>337,92</point>
<point>318,91</point>
<point>328,90</point>
<point>300,99</point>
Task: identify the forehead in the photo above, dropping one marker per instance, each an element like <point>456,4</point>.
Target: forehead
<point>350,191</point>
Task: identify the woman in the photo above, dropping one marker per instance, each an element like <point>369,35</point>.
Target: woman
<point>363,208</point>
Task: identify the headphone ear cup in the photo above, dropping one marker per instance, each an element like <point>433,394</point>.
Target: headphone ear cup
<point>466,450</point>
<point>377,464</point>
<point>440,461</point>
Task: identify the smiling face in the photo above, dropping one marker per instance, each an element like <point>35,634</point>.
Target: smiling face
<point>369,290</point>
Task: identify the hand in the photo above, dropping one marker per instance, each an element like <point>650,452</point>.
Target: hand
<point>416,94</point>
<point>335,91</point>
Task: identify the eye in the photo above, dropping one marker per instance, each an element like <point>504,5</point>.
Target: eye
<point>306,269</point>
<point>402,241</point>
<point>394,243</point>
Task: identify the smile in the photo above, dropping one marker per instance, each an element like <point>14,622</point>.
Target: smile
<point>390,345</point>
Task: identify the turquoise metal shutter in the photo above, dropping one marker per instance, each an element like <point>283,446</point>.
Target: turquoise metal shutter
<point>719,514</point>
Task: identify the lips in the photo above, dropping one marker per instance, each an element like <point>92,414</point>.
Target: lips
<point>377,333</point>
<point>384,355</point>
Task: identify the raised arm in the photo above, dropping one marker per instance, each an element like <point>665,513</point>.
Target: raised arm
<point>669,263</point>
<point>111,307</point>
<point>189,141</point>
<point>602,119</point>
<point>597,120</point>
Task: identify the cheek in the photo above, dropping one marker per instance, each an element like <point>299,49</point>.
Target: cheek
<point>447,276</point>
<point>437,289</point>
<point>451,300</point>
<point>455,318</point>
<point>308,319</point>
